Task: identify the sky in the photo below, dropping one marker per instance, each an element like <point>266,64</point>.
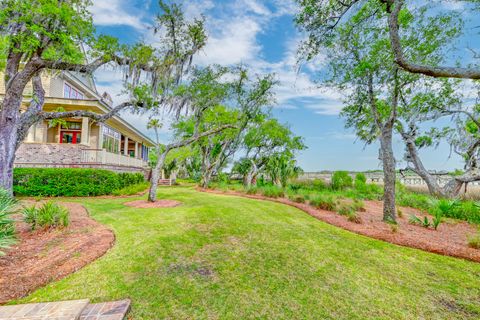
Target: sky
<point>262,35</point>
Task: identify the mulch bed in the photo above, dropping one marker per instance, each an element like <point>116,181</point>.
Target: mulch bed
<point>144,204</point>
<point>451,239</point>
<point>43,256</point>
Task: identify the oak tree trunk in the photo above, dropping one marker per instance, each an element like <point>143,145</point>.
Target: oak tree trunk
<point>152,192</point>
<point>388,160</point>
<point>8,146</point>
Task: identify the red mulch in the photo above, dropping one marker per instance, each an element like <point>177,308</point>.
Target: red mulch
<point>43,256</point>
<point>144,204</point>
<point>451,239</point>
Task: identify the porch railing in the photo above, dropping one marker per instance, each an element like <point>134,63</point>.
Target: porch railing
<point>104,157</point>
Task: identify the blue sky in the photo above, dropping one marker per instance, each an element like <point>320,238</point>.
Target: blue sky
<point>262,35</point>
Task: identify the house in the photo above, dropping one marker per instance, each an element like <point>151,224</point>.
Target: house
<point>80,142</point>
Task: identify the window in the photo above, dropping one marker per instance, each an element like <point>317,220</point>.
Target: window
<point>70,125</point>
<point>71,92</point>
<point>111,140</point>
<point>71,132</point>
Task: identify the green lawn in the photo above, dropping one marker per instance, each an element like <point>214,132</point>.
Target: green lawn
<point>223,257</point>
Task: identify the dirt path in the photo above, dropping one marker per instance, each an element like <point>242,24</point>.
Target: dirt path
<point>44,256</point>
<point>451,239</point>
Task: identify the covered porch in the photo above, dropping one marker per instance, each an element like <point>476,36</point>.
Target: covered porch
<point>81,141</point>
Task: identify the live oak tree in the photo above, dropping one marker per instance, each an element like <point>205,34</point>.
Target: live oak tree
<point>322,18</point>
<point>249,100</point>
<point>212,148</point>
<point>59,35</point>
<point>201,95</point>
<point>433,100</point>
<point>268,143</point>
<point>362,65</point>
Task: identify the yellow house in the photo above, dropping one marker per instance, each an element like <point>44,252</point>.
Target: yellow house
<point>80,142</point>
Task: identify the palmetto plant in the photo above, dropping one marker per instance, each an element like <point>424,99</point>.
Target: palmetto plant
<point>7,227</point>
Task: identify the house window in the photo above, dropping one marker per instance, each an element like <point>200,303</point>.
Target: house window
<point>111,140</point>
<point>71,132</point>
<point>72,125</point>
<point>71,93</point>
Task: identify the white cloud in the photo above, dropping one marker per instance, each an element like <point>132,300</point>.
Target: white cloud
<point>234,43</point>
<point>116,13</point>
<point>233,38</point>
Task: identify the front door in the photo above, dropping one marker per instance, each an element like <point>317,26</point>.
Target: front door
<point>73,137</point>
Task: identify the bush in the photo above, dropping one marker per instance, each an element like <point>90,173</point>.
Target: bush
<point>252,190</point>
<point>419,201</point>
<point>341,180</point>
<point>299,198</point>
<point>358,205</point>
<point>361,182</point>
<point>354,217</point>
<point>474,241</point>
<point>7,225</point>
<point>465,210</point>
<point>128,179</point>
<point>425,222</point>
<point>272,191</point>
<point>49,215</point>
<point>222,177</point>
<point>70,182</point>
<point>346,210</point>
<point>311,185</point>
<point>324,202</point>
<point>360,178</point>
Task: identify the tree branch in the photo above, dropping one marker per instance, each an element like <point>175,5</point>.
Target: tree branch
<point>84,113</point>
<point>196,137</point>
<point>441,71</point>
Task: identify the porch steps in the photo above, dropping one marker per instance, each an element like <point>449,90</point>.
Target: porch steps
<point>166,182</point>
<point>66,310</point>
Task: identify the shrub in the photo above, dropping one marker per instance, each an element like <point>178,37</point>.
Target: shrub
<point>474,241</point>
<point>272,191</point>
<point>7,225</point>
<point>311,185</point>
<point>49,215</point>
<point>341,180</point>
<point>70,182</point>
<point>399,213</point>
<point>324,202</point>
<point>465,210</point>
<point>360,178</point>
<point>354,217</point>
<point>419,201</point>
<point>346,210</point>
<point>128,179</point>
<point>393,227</point>
<point>299,198</point>
<point>223,177</point>
<point>131,190</point>
<point>358,205</point>
<point>252,190</point>
<point>422,222</point>
<point>360,182</point>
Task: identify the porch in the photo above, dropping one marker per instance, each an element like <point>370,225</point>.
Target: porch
<point>65,155</point>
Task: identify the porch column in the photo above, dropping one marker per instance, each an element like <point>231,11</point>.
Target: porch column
<point>85,131</point>
<point>136,150</point>
<point>100,136</point>
<point>125,146</point>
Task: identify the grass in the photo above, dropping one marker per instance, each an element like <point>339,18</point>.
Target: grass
<point>224,257</point>
<point>132,189</point>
